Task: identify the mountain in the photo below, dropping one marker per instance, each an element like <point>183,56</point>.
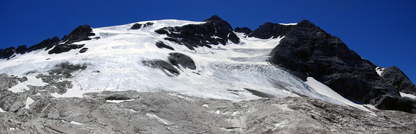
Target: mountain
<point>175,76</point>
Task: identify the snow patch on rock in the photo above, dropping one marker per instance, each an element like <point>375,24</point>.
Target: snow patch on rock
<point>28,102</point>
<point>379,70</point>
<point>118,101</point>
<point>411,96</point>
<point>76,123</point>
<point>23,86</point>
<point>160,120</point>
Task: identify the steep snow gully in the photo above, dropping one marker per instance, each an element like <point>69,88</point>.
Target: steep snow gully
<point>198,62</point>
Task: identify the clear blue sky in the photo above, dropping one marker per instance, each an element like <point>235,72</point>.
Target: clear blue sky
<point>383,32</point>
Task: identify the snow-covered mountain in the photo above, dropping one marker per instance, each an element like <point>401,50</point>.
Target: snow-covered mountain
<point>200,62</point>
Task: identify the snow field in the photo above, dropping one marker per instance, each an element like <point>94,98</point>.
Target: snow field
<point>114,63</point>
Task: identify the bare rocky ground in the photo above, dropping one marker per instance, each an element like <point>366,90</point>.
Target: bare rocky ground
<point>166,112</point>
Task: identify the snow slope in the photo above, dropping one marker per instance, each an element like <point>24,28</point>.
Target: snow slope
<point>325,90</point>
<point>114,63</point>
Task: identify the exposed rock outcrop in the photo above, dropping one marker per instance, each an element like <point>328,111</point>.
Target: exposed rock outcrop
<point>21,49</point>
<point>176,59</point>
<point>244,30</point>
<point>214,31</point>
<point>83,50</point>
<point>64,48</point>
<point>163,65</point>
<point>160,44</point>
<point>138,25</point>
<point>395,77</point>
<point>271,30</point>
<point>307,50</point>
<point>8,81</point>
<point>78,34</point>
<point>182,60</point>
<point>48,43</point>
<point>7,53</point>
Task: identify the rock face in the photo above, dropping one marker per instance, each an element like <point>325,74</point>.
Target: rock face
<point>79,34</point>
<point>83,50</point>
<point>64,48</point>
<point>160,44</point>
<point>7,53</point>
<point>21,49</point>
<point>48,43</point>
<point>395,77</point>
<point>269,30</point>
<point>307,50</point>
<point>138,25</point>
<point>244,30</point>
<point>175,60</point>
<point>181,59</point>
<point>214,31</point>
<point>163,65</point>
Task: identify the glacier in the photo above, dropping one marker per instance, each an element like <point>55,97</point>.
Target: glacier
<point>114,64</point>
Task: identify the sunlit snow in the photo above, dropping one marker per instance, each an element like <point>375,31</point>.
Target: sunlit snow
<point>379,70</point>
<point>31,80</point>
<point>411,96</point>
<point>288,24</point>
<point>118,101</point>
<point>76,123</point>
<point>28,102</point>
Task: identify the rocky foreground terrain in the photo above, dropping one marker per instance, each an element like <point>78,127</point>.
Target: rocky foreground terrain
<point>167,112</point>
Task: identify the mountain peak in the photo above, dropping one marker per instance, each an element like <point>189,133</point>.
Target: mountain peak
<point>214,18</point>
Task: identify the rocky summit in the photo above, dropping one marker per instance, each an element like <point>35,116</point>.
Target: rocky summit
<point>175,76</point>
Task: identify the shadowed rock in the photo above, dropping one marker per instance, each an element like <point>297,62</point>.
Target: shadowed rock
<point>64,48</point>
<point>181,59</point>
<point>395,77</point>
<point>21,49</point>
<point>269,30</point>
<point>258,93</point>
<point>307,50</point>
<point>160,44</point>
<point>83,50</point>
<point>7,53</point>
<point>244,30</point>
<point>138,25</point>
<point>48,43</point>
<point>78,34</point>
<point>214,31</point>
<point>117,97</point>
<point>163,65</point>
